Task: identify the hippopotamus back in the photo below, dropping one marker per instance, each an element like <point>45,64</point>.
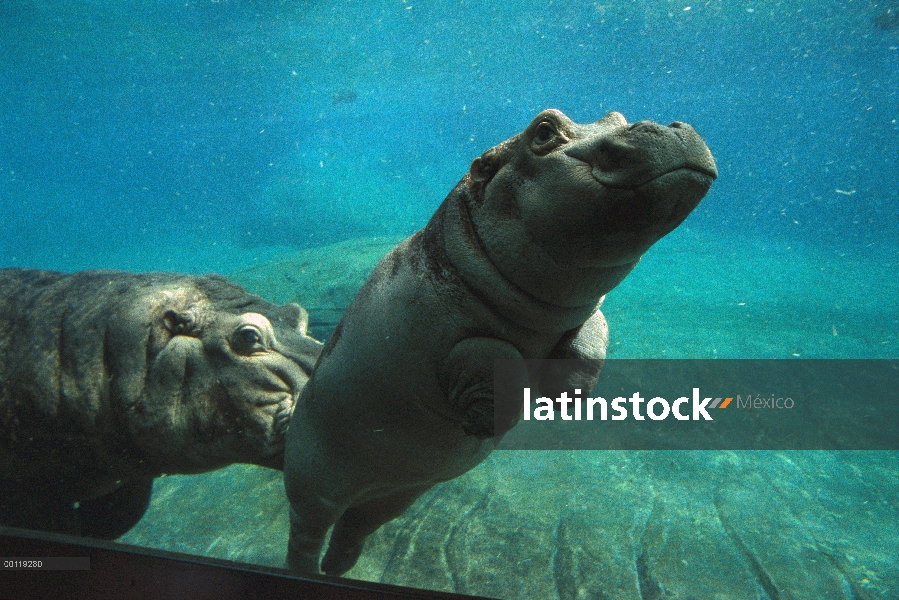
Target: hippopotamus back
<point>109,379</point>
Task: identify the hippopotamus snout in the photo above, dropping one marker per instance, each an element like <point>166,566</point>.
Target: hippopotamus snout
<point>627,156</point>
<point>652,176</point>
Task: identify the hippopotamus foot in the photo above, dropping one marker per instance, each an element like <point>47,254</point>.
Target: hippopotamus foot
<point>308,528</point>
<point>46,514</point>
<point>337,562</point>
<point>111,516</point>
<point>106,517</point>
<point>357,523</point>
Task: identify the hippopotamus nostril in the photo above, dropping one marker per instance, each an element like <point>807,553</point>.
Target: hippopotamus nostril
<point>642,125</point>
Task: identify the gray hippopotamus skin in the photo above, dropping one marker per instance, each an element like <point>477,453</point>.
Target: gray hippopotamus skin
<point>514,264</point>
<point>109,379</point>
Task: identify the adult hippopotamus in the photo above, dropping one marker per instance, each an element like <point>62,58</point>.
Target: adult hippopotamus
<point>514,264</point>
<point>109,379</point>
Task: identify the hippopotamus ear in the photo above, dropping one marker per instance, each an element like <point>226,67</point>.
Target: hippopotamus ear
<point>479,170</point>
<point>180,322</point>
<point>295,316</point>
<point>484,167</point>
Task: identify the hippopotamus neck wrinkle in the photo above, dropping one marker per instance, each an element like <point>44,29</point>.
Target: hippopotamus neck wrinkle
<point>469,259</point>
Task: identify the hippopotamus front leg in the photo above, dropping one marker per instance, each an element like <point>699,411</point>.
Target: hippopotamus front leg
<point>111,516</point>
<point>467,378</point>
<point>583,350</point>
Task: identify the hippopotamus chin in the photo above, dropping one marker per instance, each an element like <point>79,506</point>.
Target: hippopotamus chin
<point>514,264</point>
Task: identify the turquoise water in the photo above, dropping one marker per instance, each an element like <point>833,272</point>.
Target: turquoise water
<point>210,136</point>
<point>201,135</point>
<point>198,135</point>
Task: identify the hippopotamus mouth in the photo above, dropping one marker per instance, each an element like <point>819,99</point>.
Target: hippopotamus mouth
<point>278,403</point>
<point>280,408</point>
<point>275,408</point>
<point>703,175</point>
<point>288,384</point>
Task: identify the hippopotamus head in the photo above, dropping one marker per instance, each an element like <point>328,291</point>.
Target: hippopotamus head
<point>223,372</point>
<point>565,210</point>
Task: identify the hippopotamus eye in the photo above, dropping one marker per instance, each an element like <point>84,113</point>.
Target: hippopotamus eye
<point>248,339</point>
<point>545,132</point>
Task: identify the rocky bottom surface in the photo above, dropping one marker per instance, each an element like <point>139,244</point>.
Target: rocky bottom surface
<point>606,525</point>
<point>609,525</point>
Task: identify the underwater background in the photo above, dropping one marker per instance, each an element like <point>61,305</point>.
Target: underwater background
<point>288,145</point>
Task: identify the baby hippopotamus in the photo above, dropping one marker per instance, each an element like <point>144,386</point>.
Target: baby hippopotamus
<point>109,379</point>
<point>514,264</point>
